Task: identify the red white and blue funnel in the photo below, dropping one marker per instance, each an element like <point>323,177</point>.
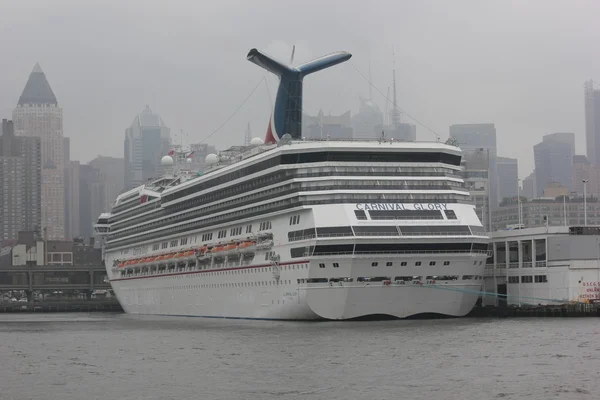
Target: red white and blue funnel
<point>287,112</point>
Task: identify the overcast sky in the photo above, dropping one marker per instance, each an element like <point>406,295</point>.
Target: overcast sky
<point>518,64</point>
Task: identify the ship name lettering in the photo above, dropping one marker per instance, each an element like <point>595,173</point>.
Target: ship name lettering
<point>400,206</point>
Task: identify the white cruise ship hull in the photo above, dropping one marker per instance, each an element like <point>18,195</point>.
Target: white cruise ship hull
<point>252,292</point>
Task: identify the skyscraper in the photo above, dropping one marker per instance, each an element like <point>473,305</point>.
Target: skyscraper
<point>111,170</point>
<point>38,115</point>
<point>553,158</point>
<point>592,122</point>
<point>368,122</point>
<point>20,183</point>
<point>508,177</point>
<point>147,140</point>
<point>333,127</point>
<point>480,137</point>
<point>529,189</point>
<point>475,173</point>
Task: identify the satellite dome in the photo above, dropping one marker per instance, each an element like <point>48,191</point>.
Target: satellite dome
<point>257,141</point>
<point>188,160</point>
<point>166,161</point>
<point>211,159</point>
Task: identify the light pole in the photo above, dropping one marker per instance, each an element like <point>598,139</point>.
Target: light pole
<point>585,181</point>
<point>519,203</point>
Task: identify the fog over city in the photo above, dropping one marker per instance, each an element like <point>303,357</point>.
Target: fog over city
<point>520,65</point>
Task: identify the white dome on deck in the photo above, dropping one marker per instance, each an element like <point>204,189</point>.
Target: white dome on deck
<point>166,161</point>
<point>257,141</point>
<point>211,159</point>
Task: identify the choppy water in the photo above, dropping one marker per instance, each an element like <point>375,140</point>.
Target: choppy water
<point>117,356</point>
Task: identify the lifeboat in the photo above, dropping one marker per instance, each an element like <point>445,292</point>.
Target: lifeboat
<point>169,257</point>
<point>247,247</point>
<point>121,264</point>
<point>159,258</point>
<point>178,255</point>
<point>230,248</point>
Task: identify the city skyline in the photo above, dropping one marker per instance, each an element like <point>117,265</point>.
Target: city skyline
<point>500,76</point>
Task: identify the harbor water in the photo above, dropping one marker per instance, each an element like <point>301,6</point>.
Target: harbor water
<point>102,356</point>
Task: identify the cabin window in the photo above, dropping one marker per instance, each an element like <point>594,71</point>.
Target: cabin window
<point>374,264</point>
<point>360,215</point>
<point>222,234</point>
<point>248,228</point>
<point>336,265</point>
<point>527,279</point>
<point>450,214</point>
<point>174,243</point>
<point>431,263</point>
<point>294,220</point>
<point>321,265</point>
<point>388,264</point>
<point>541,278</point>
<point>403,264</point>
<point>418,263</point>
<point>446,262</point>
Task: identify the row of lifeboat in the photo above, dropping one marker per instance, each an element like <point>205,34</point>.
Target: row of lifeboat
<point>188,255</point>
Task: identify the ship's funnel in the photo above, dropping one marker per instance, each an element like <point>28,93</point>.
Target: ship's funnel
<point>287,112</point>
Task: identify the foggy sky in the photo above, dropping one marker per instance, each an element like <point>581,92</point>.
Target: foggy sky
<point>520,64</point>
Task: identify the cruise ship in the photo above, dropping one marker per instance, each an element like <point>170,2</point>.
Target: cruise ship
<point>296,229</point>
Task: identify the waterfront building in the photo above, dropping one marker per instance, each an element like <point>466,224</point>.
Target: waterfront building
<point>543,265</point>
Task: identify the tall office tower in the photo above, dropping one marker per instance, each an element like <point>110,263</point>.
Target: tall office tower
<point>38,115</point>
<point>332,127</point>
<point>553,158</point>
<point>113,180</point>
<point>592,121</point>
<point>20,183</point>
<point>368,122</point>
<point>72,199</point>
<point>147,140</point>
<point>508,177</point>
<point>480,137</point>
<point>475,173</point>
<point>529,190</point>
<point>91,198</point>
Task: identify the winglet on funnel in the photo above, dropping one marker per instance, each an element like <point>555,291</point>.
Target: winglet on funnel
<point>287,112</point>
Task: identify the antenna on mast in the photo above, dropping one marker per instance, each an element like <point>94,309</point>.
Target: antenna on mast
<point>370,83</point>
<point>293,52</point>
<point>248,137</point>
<point>395,114</point>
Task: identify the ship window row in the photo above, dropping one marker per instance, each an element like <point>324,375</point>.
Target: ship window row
<point>276,205</point>
<point>243,201</point>
<point>299,186</point>
<point>528,279</point>
<point>404,214</point>
<point>131,208</point>
<point>389,248</point>
<point>271,179</point>
<point>386,230</point>
<point>322,156</point>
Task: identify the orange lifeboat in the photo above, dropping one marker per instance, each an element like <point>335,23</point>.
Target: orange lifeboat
<point>202,249</point>
<point>169,256</point>
<point>189,253</point>
<point>244,245</point>
<point>121,264</point>
<point>160,258</point>
<point>218,249</point>
<point>230,247</point>
<point>178,255</point>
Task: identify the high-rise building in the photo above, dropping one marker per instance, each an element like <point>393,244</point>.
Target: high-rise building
<point>480,137</point>
<point>147,140</point>
<point>72,211</point>
<point>553,158</point>
<point>592,121</point>
<point>328,126</point>
<point>475,173</point>
<point>508,177</point>
<point>113,180</point>
<point>529,186</point>
<point>38,115</point>
<point>20,183</point>
<point>91,198</point>
<point>368,122</point>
